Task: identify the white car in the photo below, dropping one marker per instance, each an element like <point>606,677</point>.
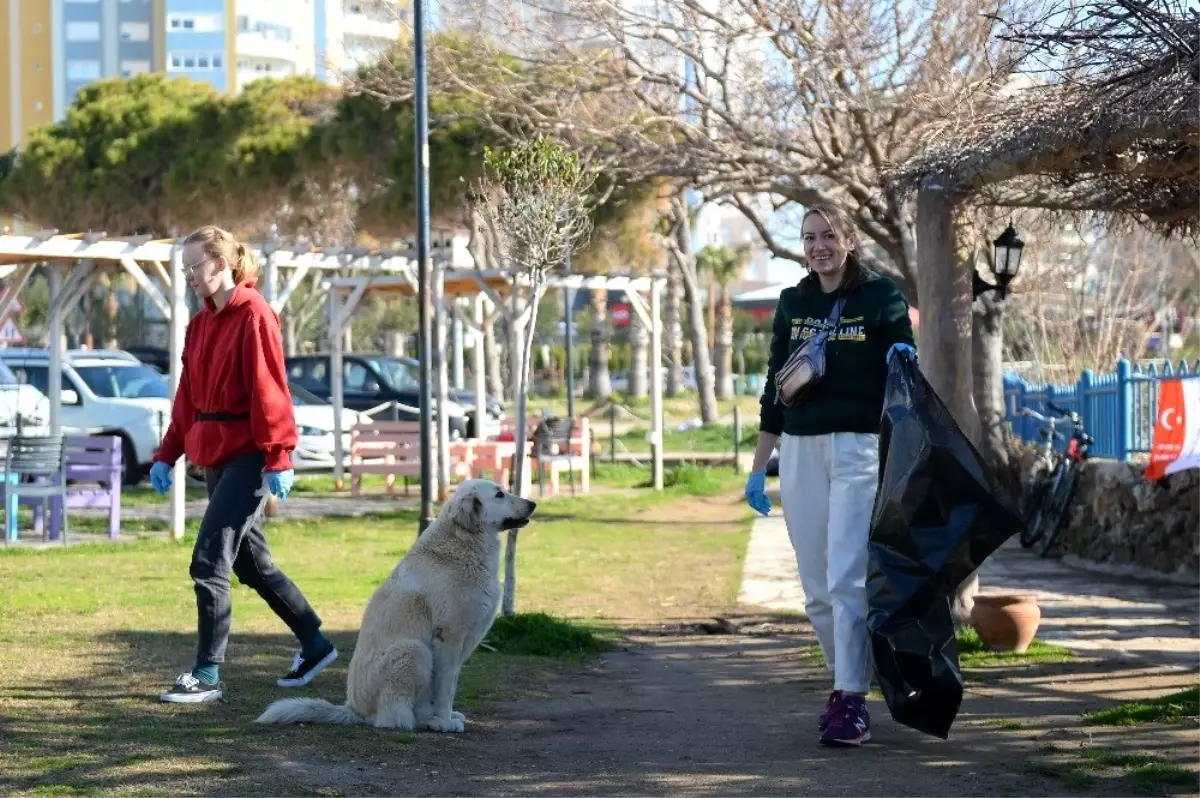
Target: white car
<point>314,423</point>
<point>104,391</point>
<point>23,408</point>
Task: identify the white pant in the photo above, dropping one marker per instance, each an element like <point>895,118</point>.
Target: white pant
<point>828,485</point>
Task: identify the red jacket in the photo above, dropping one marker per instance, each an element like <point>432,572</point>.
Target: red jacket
<point>232,364</point>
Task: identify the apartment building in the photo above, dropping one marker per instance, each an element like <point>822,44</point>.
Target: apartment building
<point>49,49</point>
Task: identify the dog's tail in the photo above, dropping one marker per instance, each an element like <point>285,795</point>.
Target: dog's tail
<point>310,710</point>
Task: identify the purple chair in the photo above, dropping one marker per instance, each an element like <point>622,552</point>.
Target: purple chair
<point>93,472</point>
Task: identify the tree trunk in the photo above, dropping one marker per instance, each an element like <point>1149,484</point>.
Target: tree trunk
<point>521,360</point>
<point>988,351</point>
<point>599,377</point>
<point>944,285</point>
<point>723,350</point>
<point>289,335</point>
<point>681,250</point>
<point>639,361</point>
<point>673,330</point>
<point>491,355</point>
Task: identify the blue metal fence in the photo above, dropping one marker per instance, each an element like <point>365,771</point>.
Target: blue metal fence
<point>1118,408</point>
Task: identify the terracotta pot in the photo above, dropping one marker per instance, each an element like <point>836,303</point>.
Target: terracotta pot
<point>1006,621</point>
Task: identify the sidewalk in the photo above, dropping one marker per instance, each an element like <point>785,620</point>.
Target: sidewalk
<point>1105,615</point>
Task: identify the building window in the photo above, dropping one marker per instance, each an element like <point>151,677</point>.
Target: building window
<point>135,31</point>
<point>204,61</point>
<point>83,69</point>
<point>196,23</point>
<point>83,31</point>
<point>131,68</point>
<point>217,60</point>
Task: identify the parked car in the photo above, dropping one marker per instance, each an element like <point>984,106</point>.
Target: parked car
<point>369,382</point>
<point>314,423</point>
<point>23,408</point>
<point>155,357</point>
<point>492,406</point>
<point>104,392</point>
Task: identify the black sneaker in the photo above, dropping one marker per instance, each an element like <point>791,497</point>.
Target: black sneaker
<point>305,670</point>
<point>190,690</point>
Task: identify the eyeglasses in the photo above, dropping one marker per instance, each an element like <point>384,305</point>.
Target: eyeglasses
<point>189,269</point>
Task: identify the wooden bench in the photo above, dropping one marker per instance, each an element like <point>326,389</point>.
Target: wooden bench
<point>94,465</point>
<point>490,459</point>
<point>390,448</point>
<point>565,454</point>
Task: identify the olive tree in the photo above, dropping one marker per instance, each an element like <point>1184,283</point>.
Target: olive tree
<point>538,197</point>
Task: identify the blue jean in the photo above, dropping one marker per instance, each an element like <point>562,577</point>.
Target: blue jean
<point>231,540</point>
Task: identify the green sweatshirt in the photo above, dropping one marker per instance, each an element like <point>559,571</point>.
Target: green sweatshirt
<point>849,398</point>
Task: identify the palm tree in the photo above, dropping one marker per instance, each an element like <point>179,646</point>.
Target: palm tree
<point>724,266</point>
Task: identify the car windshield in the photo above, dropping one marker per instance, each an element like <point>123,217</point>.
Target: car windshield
<point>398,374</point>
<point>125,381</point>
<point>7,377</point>
<point>301,396</point>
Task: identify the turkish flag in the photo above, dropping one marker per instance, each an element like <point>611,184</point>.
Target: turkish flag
<point>1177,429</point>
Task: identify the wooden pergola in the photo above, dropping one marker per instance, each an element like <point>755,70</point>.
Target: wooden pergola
<point>75,260</point>
<point>345,294</point>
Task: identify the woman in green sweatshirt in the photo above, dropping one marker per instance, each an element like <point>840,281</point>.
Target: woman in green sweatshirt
<point>829,449</point>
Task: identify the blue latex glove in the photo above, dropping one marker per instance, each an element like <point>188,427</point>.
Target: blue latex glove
<point>280,483</point>
<point>160,477</point>
<point>756,495</point>
<point>905,348</point>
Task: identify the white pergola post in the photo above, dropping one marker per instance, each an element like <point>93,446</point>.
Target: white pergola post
<point>457,349</point>
<point>270,280</point>
<point>336,393</point>
<point>439,374</point>
<point>656,381</point>
<point>339,317</point>
<point>480,370</point>
<point>54,347</point>
<point>176,332</point>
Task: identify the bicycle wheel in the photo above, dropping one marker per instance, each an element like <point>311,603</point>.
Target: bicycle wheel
<point>1034,498</point>
<point>1040,504</point>
<point>1057,509</point>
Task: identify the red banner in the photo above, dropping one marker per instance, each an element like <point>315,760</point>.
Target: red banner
<point>1177,429</point>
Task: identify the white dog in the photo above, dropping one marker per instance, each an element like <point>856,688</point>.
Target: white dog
<point>424,621</point>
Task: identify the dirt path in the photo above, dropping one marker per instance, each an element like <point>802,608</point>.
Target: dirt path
<point>687,713</point>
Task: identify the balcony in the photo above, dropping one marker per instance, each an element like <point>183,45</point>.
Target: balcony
<point>254,44</point>
<point>373,25</point>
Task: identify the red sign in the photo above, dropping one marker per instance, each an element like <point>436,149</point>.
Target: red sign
<point>1177,429</point>
<point>619,313</point>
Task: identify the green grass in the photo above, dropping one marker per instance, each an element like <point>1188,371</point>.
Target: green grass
<point>90,634</point>
<point>1144,773</point>
<point>540,635</point>
<point>972,653</point>
<point>1171,708</point>
<point>717,438</point>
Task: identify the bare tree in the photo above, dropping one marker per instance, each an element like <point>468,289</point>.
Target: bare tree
<point>1088,297</point>
<point>537,197</point>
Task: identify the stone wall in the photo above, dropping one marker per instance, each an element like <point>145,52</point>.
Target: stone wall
<point>1119,517</point>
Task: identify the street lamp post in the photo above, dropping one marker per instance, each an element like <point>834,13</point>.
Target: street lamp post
<point>1005,264</point>
<point>425,312</point>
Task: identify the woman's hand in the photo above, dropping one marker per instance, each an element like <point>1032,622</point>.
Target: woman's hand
<point>280,482</point>
<point>160,477</point>
<point>756,496</point>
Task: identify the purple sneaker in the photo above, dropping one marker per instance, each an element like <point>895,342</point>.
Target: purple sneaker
<point>831,705</point>
<point>850,724</point>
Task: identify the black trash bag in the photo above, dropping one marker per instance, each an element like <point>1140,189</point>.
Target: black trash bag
<point>937,517</point>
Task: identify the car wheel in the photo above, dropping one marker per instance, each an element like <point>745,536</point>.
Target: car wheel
<point>132,473</point>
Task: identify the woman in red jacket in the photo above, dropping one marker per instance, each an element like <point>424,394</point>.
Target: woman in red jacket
<point>233,417</point>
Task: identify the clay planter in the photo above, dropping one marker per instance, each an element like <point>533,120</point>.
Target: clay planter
<point>1006,622</point>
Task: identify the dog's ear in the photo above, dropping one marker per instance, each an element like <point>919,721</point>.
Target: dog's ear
<point>469,514</point>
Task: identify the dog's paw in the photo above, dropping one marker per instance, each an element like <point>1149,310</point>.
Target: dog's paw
<point>450,724</point>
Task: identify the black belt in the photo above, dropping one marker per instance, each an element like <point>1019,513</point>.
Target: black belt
<point>222,416</point>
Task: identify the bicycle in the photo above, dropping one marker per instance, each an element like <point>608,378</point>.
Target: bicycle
<point>1049,495</point>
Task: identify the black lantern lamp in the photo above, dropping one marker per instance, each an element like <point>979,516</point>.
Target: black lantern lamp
<point>1005,264</point>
